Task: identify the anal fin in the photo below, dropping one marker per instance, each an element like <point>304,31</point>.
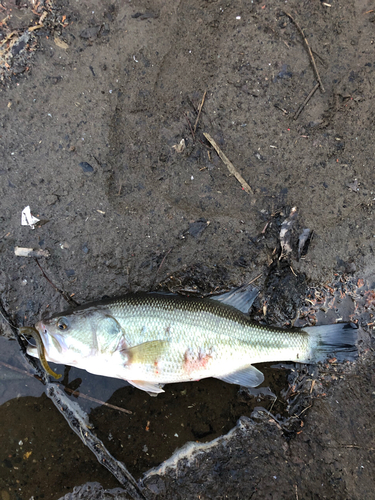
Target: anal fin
<point>151,388</point>
<point>247,377</point>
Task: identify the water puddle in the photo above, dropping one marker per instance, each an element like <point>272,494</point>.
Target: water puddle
<point>16,377</point>
<point>41,457</point>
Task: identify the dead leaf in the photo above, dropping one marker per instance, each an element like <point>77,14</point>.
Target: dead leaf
<point>60,43</point>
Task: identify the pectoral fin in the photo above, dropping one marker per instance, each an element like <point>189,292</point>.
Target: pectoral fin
<point>152,389</point>
<point>247,377</point>
<point>108,326</point>
<point>148,352</point>
<point>108,332</point>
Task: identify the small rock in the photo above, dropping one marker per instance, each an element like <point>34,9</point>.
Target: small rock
<point>90,33</point>
<point>86,167</point>
<point>50,199</point>
<point>196,228</point>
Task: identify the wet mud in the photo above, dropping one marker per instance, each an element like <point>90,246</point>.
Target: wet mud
<point>96,98</point>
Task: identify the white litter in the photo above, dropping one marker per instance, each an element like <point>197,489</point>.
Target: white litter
<point>27,219</point>
<point>30,252</point>
<point>180,147</point>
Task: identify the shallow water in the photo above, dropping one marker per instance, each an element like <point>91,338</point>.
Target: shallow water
<point>16,376</point>
<point>35,442</point>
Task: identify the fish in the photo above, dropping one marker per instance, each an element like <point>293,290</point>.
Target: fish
<point>32,332</point>
<point>153,339</point>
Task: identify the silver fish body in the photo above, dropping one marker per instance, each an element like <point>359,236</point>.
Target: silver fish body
<point>153,339</point>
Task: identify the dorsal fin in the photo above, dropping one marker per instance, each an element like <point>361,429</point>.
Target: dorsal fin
<point>241,298</point>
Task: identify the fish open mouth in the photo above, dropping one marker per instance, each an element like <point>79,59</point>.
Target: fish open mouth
<point>49,339</point>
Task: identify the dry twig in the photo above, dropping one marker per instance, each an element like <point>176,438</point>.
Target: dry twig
<point>95,400</point>
<point>230,166</point>
<point>69,300</point>
<point>15,369</point>
<point>308,49</point>
<point>252,281</point>
<point>199,111</point>
<point>191,130</point>
<point>299,110</point>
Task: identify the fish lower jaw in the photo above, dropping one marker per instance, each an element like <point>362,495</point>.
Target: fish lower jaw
<point>104,366</point>
<point>32,351</point>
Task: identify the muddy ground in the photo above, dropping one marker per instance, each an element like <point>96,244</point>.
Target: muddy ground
<point>93,101</point>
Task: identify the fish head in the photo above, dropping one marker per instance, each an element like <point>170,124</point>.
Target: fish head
<point>69,338</point>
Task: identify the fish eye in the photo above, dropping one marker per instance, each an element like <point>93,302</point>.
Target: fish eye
<point>62,323</point>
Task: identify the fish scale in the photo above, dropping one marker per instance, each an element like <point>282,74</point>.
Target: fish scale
<point>195,321</point>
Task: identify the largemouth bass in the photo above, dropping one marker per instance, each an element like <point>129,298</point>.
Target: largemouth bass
<point>155,339</point>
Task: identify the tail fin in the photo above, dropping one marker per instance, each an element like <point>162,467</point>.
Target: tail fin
<point>338,340</point>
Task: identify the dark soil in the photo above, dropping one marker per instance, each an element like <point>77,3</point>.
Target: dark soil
<point>92,104</point>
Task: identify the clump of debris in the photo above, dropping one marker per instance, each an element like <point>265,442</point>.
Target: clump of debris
<point>21,23</point>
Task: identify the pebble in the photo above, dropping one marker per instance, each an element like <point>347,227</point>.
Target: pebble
<point>86,167</point>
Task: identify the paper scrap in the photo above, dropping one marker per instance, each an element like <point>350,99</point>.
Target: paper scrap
<point>180,147</point>
<point>27,219</point>
<point>31,252</point>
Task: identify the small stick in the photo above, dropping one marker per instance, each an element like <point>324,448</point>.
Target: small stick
<point>252,281</point>
<point>296,488</point>
<point>162,262</point>
<point>8,38</point>
<point>303,411</point>
<point>281,109</point>
<point>90,398</point>
<point>69,300</point>
<point>230,166</point>
<point>322,61</point>
<point>308,49</point>
<point>199,111</point>
<point>312,386</point>
<point>352,446</point>
<point>15,369</point>
<point>191,130</point>
<point>298,112</point>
